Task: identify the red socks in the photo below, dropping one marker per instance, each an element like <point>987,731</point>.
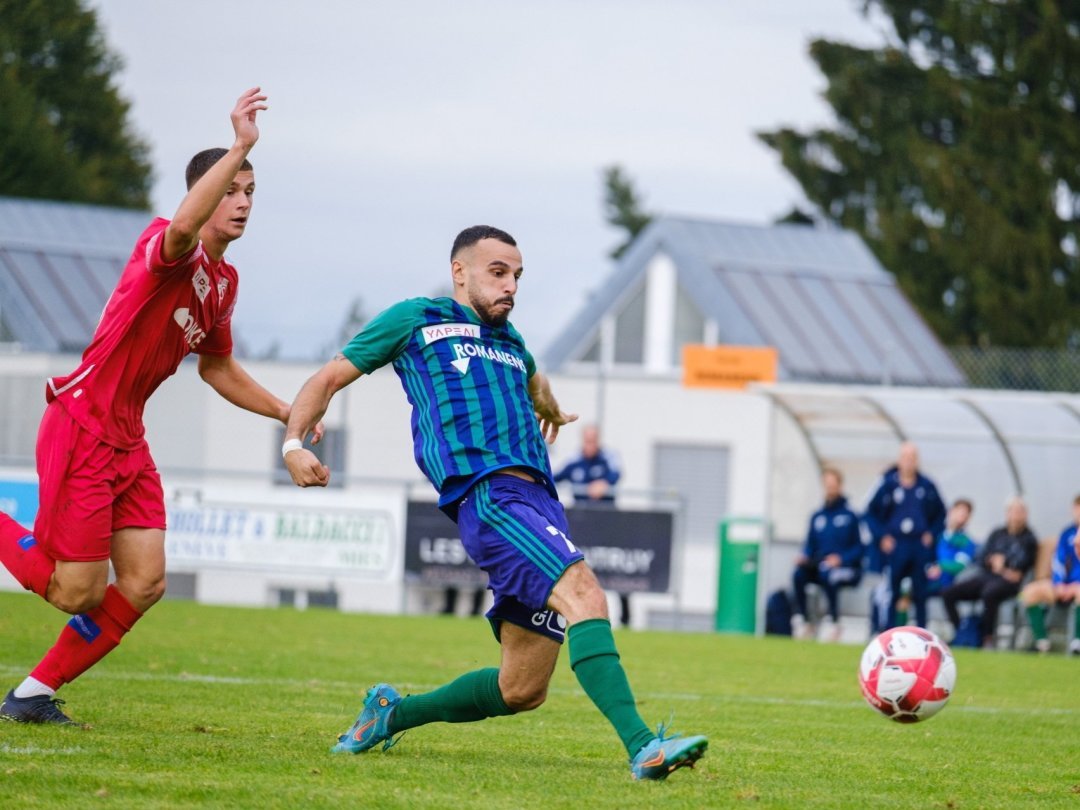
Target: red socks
<point>87,639</point>
<point>22,555</point>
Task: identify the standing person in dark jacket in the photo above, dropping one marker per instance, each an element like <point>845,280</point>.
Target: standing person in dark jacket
<point>831,557</point>
<point>906,514</point>
<point>593,474</point>
<point>1006,558</point>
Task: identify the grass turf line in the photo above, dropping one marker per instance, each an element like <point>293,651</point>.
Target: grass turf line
<point>230,707</point>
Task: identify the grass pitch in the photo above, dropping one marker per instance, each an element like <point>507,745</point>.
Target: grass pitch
<point>237,708</point>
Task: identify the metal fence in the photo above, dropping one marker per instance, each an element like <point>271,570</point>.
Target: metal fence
<point>1020,369</point>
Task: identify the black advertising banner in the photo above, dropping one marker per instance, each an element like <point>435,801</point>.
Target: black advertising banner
<point>630,551</point>
<point>433,551</point>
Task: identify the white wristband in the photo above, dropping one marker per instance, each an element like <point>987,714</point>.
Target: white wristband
<point>290,445</point>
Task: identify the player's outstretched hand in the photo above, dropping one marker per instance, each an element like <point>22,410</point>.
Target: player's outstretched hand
<point>550,424</point>
<point>243,116</point>
<point>306,470</point>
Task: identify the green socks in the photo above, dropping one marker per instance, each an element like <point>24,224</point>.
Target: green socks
<point>473,696</point>
<point>476,695</point>
<point>595,661</point>
<point>1037,620</point>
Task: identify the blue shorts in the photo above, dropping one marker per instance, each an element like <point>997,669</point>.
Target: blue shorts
<point>516,532</point>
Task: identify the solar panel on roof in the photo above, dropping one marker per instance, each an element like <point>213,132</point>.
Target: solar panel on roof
<point>58,264</point>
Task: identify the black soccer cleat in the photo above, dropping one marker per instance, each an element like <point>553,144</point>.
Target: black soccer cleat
<point>40,709</point>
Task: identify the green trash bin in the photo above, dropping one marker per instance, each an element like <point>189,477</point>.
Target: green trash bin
<point>737,585</point>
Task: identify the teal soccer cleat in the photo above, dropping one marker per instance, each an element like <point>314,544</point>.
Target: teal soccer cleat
<point>666,754</point>
<point>373,725</point>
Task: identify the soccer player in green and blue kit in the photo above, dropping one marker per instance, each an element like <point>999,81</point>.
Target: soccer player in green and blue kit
<point>481,414</point>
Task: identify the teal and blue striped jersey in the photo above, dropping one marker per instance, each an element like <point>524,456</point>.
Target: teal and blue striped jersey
<point>467,383</point>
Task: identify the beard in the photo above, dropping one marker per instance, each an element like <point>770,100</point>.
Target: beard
<point>487,310</point>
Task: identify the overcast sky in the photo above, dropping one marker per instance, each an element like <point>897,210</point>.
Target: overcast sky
<point>393,125</point>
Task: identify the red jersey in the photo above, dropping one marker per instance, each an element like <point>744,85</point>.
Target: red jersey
<point>159,313</point>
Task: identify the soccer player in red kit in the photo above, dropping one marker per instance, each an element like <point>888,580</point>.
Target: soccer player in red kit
<point>100,495</point>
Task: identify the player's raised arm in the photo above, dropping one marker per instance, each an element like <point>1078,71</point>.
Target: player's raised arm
<point>306,412</point>
<point>203,197</point>
<point>547,409</point>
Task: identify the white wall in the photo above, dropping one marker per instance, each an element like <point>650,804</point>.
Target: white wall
<point>199,440</point>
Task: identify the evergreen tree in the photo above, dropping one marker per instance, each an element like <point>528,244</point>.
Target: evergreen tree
<point>622,207</point>
<point>956,155</point>
<point>64,133</point>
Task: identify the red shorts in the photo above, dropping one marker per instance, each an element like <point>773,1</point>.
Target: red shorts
<point>88,490</point>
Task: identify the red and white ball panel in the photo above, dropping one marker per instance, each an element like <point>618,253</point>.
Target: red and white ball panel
<point>907,674</point>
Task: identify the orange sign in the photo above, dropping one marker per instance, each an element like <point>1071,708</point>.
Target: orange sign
<point>727,366</point>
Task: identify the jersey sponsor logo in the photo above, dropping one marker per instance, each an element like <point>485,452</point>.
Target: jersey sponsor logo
<point>441,331</point>
<point>201,282</point>
<point>553,621</point>
<point>465,351</point>
<point>193,333</point>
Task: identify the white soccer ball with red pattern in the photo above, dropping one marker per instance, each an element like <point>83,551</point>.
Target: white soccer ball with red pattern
<point>907,674</point>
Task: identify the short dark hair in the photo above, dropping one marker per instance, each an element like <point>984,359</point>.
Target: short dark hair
<point>470,236</point>
<point>201,163</point>
<point>964,502</point>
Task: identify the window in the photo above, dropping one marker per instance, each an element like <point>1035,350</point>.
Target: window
<point>700,476</point>
<point>630,331</point>
<point>19,427</point>
<point>302,599</point>
<point>689,326</point>
<point>592,354</point>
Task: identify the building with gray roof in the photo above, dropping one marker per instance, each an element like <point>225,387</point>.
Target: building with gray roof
<point>58,264</point>
<point>816,294</point>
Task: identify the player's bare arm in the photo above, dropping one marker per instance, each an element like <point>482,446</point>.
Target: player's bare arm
<point>547,409</point>
<point>203,198</point>
<point>307,410</point>
<point>226,376</point>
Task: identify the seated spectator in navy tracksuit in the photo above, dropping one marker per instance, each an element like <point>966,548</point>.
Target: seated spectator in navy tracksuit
<point>955,550</point>
<point>831,557</point>
<point>905,514</point>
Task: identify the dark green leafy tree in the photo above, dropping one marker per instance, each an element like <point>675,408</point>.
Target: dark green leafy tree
<point>622,207</point>
<point>956,154</point>
<point>64,133</point>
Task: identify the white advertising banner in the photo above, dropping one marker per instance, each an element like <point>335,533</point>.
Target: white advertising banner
<point>309,538</point>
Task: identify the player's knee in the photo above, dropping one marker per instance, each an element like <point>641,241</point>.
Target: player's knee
<point>143,592</point>
<point>582,597</point>
<point>76,600</point>
<point>524,697</point>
